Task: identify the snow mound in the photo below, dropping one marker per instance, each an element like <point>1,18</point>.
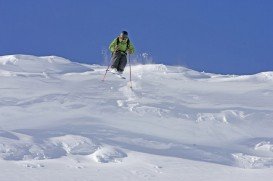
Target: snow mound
<point>259,77</point>
<point>26,150</point>
<point>32,64</point>
<point>76,145</point>
<point>264,146</point>
<point>264,76</point>
<point>225,116</point>
<point>252,162</point>
<point>108,154</point>
<point>51,148</point>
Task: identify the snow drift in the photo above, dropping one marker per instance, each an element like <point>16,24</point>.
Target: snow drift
<point>174,120</point>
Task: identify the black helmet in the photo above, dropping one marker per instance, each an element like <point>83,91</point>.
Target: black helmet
<point>125,33</point>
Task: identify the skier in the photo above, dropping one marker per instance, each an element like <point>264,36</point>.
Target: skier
<point>119,47</point>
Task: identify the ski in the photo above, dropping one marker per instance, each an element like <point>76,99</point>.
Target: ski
<point>119,75</point>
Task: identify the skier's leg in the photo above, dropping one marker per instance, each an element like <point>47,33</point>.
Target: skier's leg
<point>115,60</point>
<point>122,63</point>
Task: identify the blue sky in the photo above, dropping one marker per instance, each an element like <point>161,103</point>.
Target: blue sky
<point>221,36</point>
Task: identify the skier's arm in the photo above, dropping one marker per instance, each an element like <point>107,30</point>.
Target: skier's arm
<point>113,45</point>
<point>131,48</point>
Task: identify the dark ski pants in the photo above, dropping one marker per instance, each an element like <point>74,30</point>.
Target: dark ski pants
<point>119,61</point>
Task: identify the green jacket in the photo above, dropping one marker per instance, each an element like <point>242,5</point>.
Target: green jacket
<point>122,46</point>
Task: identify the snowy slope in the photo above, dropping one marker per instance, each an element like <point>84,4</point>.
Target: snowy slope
<point>59,121</point>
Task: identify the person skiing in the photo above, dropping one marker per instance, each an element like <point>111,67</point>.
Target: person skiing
<point>119,47</point>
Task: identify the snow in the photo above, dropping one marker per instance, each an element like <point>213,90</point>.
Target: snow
<point>59,121</point>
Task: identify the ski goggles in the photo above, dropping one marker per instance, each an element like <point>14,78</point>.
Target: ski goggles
<point>123,36</point>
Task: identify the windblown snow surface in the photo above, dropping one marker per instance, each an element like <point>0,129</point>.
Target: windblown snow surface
<point>59,121</point>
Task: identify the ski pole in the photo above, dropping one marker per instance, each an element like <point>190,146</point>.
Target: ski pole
<point>130,72</point>
<point>103,79</point>
<point>106,71</point>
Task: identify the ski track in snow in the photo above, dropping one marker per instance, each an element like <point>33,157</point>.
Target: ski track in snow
<point>54,109</point>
